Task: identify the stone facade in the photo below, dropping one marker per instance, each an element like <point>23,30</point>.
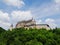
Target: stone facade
<point>46,26</point>
<point>26,24</point>
<point>31,24</point>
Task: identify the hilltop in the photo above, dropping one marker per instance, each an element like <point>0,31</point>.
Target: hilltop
<point>22,36</point>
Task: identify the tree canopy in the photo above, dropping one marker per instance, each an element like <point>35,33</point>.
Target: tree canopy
<point>22,36</point>
<point>1,30</point>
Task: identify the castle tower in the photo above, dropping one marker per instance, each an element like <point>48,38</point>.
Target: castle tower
<point>11,27</point>
<point>34,22</point>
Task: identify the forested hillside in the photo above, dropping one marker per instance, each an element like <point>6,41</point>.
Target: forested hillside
<point>30,36</point>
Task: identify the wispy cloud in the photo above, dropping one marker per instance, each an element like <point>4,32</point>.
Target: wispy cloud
<point>4,25</point>
<point>20,15</point>
<point>4,20</point>
<point>51,23</point>
<point>4,16</point>
<point>16,3</point>
<point>15,16</point>
<point>46,11</point>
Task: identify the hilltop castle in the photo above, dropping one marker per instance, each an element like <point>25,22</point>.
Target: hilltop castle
<point>26,24</point>
<point>30,24</point>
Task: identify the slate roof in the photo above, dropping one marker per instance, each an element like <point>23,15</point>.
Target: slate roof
<point>25,21</point>
<point>42,25</point>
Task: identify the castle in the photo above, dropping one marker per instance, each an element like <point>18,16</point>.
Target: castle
<point>30,24</point>
<point>26,24</point>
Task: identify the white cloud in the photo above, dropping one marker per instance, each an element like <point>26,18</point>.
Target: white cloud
<point>38,21</point>
<point>4,19</point>
<point>4,16</point>
<point>21,15</point>
<point>51,22</point>
<point>17,3</point>
<point>57,1</point>
<point>46,9</point>
<point>4,25</point>
<point>57,4</point>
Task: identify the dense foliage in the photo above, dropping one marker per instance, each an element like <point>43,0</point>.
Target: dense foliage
<point>2,30</point>
<point>30,36</point>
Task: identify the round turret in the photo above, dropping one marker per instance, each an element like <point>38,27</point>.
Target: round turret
<point>11,27</point>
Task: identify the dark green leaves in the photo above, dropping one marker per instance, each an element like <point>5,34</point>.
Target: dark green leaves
<point>21,36</point>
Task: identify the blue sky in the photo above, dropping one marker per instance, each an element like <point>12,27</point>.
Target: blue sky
<point>43,11</point>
